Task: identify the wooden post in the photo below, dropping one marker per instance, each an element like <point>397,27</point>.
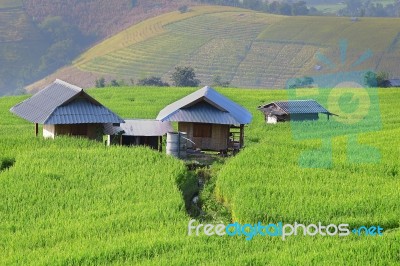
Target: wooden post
<point>120,140</point>
<point>160,144</point>
<point>36,129</point>
<point>241,141</point>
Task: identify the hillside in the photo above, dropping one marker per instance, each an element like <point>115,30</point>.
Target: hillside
<point>100,17</point>
<point>248,49</point>
<point>37,37</point>
<point>73,201</point>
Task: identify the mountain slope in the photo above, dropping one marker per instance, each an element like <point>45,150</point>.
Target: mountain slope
<point>39,36</point>
<point>20,47</point>
<point>247,48</point>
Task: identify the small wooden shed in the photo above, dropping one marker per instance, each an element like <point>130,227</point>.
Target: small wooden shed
<point>294,110</point>
<point>134,132</point>
<point>211,121</point>
<point>65,109</point>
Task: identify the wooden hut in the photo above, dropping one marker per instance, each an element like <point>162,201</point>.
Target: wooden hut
<point>134,132</point>
<point>65,109</point>
<point>295,110</point>
<point>211,121</point>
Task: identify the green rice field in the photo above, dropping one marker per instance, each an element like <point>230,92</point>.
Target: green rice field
<point>72,201</point>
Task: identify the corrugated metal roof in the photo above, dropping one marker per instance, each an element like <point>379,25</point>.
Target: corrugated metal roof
<point>58,103</point>
<point>202,113</point>
<point>298,107</point>
<point>140,127</point>
<point>394,82</point>
<point>181,109</point>
<point>82,111</point>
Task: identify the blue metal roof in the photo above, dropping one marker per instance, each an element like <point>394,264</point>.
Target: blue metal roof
<point>140,127</point>
<point>60,103</point>
<point>298,107</point>
<point>215,109</point>
<point>202,113</point>
<point>82,111</point>
<point>394,82</point>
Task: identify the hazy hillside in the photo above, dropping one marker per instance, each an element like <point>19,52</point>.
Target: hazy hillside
<point>100,17</point>
<point>246,48</point>
<point>39,36</point>
<point>21,46</point>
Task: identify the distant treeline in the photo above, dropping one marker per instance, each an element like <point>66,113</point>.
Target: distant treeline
<point>298,8</point>
<point>353,8</point>
<point>358,8</point>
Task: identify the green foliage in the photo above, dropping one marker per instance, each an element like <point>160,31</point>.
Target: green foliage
<point>56,29</point>
<point>303,82</point>
<point>21,47</point>
<point>66,41</point>
<point>380,80</point>
<point>370,79</point>
<point>288,8</point>
<point>114,83</point>
<point>152,81</point>
<point>58,54</point>
<point>217,81</point>
<point>100,83</point>
<point>370,9</point>
<point>183,9</point>
<point>185,77</point>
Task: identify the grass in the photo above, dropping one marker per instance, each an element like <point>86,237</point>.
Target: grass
<point>247,48</point>
<point>73,201</point>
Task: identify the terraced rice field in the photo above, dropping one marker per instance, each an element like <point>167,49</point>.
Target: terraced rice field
<point>248,49</point>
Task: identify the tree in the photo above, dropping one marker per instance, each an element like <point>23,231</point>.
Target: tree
<point>300,8</point>
<point>285,9</point>
<point>381,79</point>
<point>301,82</point>
<point>307,81</point>
<point>217,81</point>
<point>370,79</point>
<point>152,81</point>
<point>185,77</point>
<point>114,83</point>
<point>100,83</point>
<point>183,9</point>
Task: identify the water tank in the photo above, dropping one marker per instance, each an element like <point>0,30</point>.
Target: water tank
<point>176,144</point>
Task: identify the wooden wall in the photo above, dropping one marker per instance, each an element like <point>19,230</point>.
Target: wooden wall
<point>91,131</point>
<point>218,140</point>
